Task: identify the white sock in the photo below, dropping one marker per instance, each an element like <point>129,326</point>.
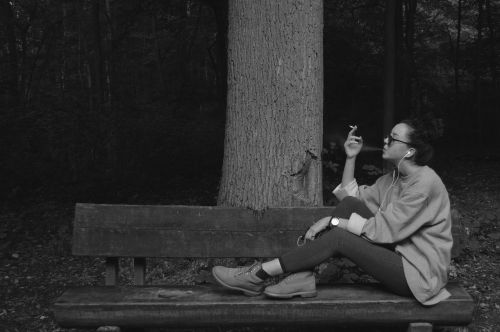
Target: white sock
<point>273,267</point>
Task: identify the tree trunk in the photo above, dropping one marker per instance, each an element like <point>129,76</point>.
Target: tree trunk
<point>412,105</point>
<point>457,49</point>
<point>274,104</point>
<point>456,67</point>
<point>492,57</point>
<point>477,72</point>
<point>109,106</point>
<point>220,9</point>
<point>64,11</point>
<point>7,18</point>
<point>390,64</point>
<point>157,54</point>
<point>400,58</point>
<point>98,56</point>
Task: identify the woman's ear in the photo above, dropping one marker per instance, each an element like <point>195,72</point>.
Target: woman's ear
<point>410,153</point>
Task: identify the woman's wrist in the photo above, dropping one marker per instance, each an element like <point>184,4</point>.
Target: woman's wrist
<point>343,223</point>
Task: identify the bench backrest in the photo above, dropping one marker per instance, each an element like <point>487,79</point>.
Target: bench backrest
<point>188,231</point>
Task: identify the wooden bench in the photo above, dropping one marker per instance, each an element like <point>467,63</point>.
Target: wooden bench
<point>136,231</point>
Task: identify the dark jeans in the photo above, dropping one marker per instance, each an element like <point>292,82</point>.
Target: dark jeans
<point>383,263</point>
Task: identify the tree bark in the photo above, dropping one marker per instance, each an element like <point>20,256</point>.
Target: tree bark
<point>274,104</point>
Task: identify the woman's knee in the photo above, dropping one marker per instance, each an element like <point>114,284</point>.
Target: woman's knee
<point>350,200</point>
<point>334,238</point>
<point>341,241</point>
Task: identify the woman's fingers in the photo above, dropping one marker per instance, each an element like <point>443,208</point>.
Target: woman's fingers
<point>351,138</point>
<point>353,130</point>
<point>310,234</point>
<point>356,139</point>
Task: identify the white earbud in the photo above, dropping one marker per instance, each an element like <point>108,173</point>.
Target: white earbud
<point>407,154</point>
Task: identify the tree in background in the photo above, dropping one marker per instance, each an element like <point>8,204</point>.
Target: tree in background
<point>389,65</point>
<point>274,105</point>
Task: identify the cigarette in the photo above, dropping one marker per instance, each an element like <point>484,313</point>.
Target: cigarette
<point>352,127</point>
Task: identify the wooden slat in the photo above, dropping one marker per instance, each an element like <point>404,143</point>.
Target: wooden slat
<point>188,231</point>
<point>212,305</point>
<point>194,217</point>
<point>137,242</point>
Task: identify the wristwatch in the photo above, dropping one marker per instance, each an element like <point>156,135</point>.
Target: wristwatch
<point>334,222</point>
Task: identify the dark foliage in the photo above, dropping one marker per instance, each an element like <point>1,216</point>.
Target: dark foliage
<point>110,101</point>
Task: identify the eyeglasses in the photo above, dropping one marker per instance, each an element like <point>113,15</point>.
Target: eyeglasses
<point>391,139</point>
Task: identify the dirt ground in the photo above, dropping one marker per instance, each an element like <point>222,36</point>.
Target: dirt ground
<point>36,264</point>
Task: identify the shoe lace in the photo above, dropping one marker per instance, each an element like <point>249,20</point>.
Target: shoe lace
<point>247,269</point>
<point>291,277</point>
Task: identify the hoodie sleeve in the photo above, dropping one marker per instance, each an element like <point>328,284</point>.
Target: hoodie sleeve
<point>397,222</point>
<point>352,189</point>
<point>370,195</point>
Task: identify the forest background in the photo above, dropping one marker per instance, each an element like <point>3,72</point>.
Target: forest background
<point>124,101</point>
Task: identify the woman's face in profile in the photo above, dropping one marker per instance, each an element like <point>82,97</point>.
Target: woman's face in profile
<point>395,146</point>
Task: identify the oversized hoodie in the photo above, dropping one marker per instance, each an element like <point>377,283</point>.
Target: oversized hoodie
<point>414,214</point>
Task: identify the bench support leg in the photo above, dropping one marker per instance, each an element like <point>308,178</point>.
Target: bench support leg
<point>111,271</point>
<point>139,270</point>
<point>420,327</point>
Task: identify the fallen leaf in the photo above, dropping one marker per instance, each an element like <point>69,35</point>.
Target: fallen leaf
<point>494,236</point>
<point>491,216</point>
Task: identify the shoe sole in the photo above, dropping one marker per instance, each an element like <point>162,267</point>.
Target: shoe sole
<point>291,295</point>
<point>245,291</point>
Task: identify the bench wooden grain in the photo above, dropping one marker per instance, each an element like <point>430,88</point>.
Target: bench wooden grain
<point>114,231</point>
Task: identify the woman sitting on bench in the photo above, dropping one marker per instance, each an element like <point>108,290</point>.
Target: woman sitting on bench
<point>398,230</point>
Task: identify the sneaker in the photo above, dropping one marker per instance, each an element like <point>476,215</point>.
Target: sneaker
<point>242,278</point>
<point>301,284</point>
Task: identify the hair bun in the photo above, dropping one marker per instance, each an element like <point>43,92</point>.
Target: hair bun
<point>430,127</point>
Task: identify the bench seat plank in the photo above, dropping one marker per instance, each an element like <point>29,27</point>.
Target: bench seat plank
<point>209,305</point>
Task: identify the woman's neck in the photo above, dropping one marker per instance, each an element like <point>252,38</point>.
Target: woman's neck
<point>408,168</point>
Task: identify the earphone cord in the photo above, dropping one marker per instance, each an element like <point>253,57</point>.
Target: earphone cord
<point>393,182</point>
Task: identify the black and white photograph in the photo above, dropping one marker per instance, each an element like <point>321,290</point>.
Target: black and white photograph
<point>249,165</point>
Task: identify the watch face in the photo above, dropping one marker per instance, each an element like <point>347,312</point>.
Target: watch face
<point>335,221</point>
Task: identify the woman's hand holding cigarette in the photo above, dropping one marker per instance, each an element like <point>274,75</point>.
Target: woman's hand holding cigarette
<point>353,143</point>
